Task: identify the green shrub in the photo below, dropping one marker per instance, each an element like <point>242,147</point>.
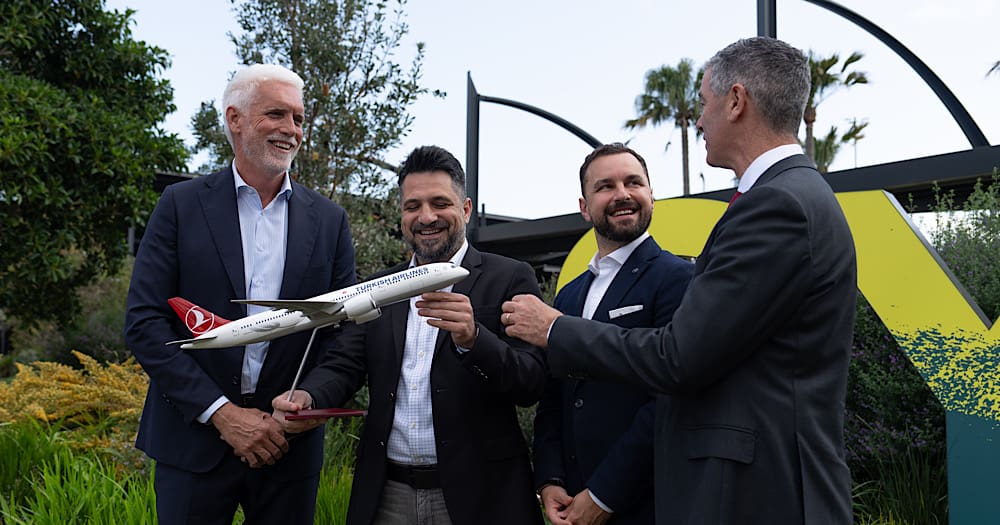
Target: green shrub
<point>83,489</point>
<point>24,447</point>
<point>911,487</point>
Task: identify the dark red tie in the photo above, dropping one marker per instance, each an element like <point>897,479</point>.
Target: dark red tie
<point>735,196</point>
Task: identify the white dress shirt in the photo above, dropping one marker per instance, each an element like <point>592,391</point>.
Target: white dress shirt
<point>763,162</point>
<point>411,440</point>
<point>605,269</point>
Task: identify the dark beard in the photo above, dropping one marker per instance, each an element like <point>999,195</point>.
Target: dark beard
<point>623,235</point>
<point>440,252</point>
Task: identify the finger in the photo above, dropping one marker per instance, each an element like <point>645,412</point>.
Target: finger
<point>441,296</point>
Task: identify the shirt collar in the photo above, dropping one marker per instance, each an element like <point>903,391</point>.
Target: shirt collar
<point>619,256</point>
<point>286,183</point>
<point>763,162</point>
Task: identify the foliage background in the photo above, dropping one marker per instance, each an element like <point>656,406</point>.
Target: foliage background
<point>80,108</point>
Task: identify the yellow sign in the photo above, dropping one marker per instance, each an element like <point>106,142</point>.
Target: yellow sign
<point>928,312</point>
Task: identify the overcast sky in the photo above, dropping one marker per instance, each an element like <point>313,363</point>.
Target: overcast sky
<point>585,61</point>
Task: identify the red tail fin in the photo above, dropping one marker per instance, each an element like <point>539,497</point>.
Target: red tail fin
<point>197,319</point>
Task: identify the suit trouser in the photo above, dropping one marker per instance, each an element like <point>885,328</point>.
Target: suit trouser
<point>402,504</point>
<point>211,497</point>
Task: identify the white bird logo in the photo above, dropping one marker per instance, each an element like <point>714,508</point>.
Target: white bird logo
<point>195,318</point>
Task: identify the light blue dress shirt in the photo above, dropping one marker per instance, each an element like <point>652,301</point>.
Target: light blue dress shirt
<point>263,232</point>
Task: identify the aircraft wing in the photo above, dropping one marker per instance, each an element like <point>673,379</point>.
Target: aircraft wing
<point>306,306</point>
<point>194,340</point>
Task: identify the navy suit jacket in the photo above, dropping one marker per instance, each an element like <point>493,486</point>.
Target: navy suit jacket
<point>596,434</point>
<point>192,248</point>
<point>482,455</point>
<point>755,362</point>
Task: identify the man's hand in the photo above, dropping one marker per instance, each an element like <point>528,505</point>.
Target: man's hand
<point>555,500</point>
<point>300,400</point>
<point>529,319</point>
<point>452,312</point>
<point>583,510</point>
<point>254,435</point>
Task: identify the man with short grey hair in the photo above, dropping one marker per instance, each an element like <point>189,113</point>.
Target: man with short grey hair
<point>755,359</point>
<point>246,232</point>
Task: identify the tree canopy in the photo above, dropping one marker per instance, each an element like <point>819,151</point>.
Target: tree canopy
<point>357,94</point>
<point>826,79</point>
<point>671,95</point>
<point>357,98</point>
<point>81,104</point>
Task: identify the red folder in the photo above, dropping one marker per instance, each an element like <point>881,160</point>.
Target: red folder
<point>324,412</point>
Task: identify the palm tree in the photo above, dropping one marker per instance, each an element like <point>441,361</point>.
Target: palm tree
<point>671,94</point>
<point>826,148</point>
<point>826,80</point>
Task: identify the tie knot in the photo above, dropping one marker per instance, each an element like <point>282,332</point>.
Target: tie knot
<point>735,196</point>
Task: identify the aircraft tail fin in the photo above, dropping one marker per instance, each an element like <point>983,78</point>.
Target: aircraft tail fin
<point>197,319</point>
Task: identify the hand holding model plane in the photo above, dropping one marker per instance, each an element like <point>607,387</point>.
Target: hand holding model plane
<point>259,440</point>
<point>447,311</point>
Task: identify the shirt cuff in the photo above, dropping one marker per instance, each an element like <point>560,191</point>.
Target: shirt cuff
<point>207,414</point>
<point>463,350</point>
<point>599,502</point>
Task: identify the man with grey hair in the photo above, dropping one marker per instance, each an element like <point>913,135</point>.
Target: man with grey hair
<point>246,232</point>
<point>755,359</point>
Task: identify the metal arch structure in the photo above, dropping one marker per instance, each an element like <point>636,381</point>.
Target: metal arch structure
<point>472,143</point>
<point>767,26</point>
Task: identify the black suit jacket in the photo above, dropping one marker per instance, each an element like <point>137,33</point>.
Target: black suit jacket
<point>192,248</point>
<point>596,434</point>
<point>755,359</point>
<point>482,455</point>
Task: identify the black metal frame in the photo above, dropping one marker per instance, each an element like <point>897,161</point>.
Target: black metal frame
<point>545,242</point>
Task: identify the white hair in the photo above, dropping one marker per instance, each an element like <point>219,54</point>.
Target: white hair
<point>239,92</point>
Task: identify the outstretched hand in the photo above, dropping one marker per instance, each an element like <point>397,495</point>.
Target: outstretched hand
<point>527,318</point>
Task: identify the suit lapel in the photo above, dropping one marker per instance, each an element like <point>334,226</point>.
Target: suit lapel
<point>472,261</point>
<point>578,294</point>
<point>218,202</point>
<point>302,227</point>
<point>627,277</point>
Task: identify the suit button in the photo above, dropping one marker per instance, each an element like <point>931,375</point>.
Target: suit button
<point>236,380</point>
<point>392,396</point>
<point>578,403</point>
<point>381,444</point>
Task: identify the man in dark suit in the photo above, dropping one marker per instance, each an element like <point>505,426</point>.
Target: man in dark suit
<point>441,443</point>
<point>756,357</point>
<point>594,439</point>
<point>247,231</point>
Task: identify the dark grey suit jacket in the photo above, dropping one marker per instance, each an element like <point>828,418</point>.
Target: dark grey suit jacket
<point>482,455</point>
<point>755,360</point>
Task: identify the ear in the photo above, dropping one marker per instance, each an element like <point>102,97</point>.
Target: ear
<point>583,210</point>
<point>738,100</point>
<point>233,119</point>
<point>467,209</point>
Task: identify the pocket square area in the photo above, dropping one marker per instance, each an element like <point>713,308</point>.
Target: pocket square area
<point>625,310</point>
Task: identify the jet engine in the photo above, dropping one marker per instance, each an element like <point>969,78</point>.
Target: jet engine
<point>362,308</point>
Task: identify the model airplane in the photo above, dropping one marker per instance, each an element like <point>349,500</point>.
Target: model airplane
<point>359,303</point>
